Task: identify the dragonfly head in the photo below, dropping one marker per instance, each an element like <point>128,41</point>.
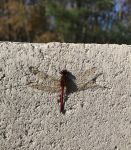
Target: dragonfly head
<point>64,72</point>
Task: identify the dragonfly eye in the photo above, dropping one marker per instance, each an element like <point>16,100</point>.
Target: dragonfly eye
<point>63,72</point>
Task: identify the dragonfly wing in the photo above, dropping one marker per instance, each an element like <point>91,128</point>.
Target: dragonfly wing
<point>86,76</point>
<point>52,89</point>
<point>88,80</point>
<point>42,75</point>
<point>43,81</point>
<point>88,85</point>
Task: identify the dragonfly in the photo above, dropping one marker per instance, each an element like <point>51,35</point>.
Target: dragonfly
<point>66,84</point>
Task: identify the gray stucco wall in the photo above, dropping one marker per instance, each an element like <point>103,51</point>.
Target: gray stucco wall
<point>95,119</point>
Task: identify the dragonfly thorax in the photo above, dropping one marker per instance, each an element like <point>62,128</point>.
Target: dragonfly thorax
<point>64,76</point>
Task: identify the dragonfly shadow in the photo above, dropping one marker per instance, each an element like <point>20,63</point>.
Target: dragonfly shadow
<point>70,83</point>
<point>70,88</point>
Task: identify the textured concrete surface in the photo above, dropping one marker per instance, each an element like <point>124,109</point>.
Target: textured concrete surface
<point>95,119</point>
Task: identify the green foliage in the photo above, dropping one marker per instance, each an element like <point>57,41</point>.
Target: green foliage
<point>24,23</point>
<point>72,22</point>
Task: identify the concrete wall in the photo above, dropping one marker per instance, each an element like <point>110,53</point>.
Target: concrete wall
<point>95,119</point>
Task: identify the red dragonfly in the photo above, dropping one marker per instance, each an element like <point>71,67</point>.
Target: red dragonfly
<point>68,82</point>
